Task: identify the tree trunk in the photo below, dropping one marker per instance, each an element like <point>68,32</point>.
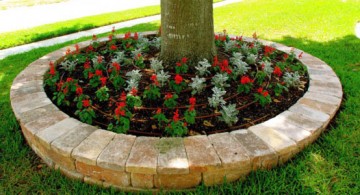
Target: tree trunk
<point>187,30</point>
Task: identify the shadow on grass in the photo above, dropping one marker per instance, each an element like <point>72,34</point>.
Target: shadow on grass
<point>330,165</point>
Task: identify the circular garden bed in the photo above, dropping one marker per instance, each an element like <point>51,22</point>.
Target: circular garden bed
<point>134,162</point>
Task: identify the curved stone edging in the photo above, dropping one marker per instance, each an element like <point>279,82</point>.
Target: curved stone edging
<point>135,163</point>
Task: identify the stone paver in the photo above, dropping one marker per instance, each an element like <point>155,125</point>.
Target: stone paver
<point>25,88</point>
<point>143,156</point>
<point>177,181</point>
<point>115,155</point>
<point>201,154</point>
<point>139,180</point>
<point>309,112</point>
<point>37,113</point>
<point>323,107</point>
<point>260,153</point>
<point>40,124</point>
<point>172,156</point>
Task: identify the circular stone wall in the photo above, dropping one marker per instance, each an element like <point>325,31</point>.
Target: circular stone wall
<point>129,162</point>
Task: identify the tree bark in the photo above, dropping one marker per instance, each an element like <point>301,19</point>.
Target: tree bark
<point>187,30</point>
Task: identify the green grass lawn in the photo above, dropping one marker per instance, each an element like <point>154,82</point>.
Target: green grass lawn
<point>331,165</point>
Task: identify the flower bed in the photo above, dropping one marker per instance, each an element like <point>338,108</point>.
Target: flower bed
<point>121,85</point>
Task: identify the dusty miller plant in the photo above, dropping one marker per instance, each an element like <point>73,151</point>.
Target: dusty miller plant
<point>230,45</point>
<point>131,84</point>
<point>203,67</point>
<point>156,42</point>
<point>229,114</point>
<point>217,97</point>
<point>156,65</point>
<point>219,80</point>
<point>237,56</point>
<point>68,65</point>
<point>292,79</point>
<point>143,42</point>
<point>134,75</point>
<point>197,85</point>
<point>240,67</point>
<point>136,52</point>
<point>162,77</point>
<point>268,68</point>
<point>251,59</point>
<point>119,57</point>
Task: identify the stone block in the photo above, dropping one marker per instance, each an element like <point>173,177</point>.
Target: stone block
<point>261,155</point>
<point>328,99</point>
<point>337,92</point>
<point>139,180</point>
<point>89,149</point>
<point>219,176</point>
<point>302,121</point>
<point>37,113</point>
<point>21,89</point>
<point>69,173</point>
<point>201,154</point>
<point>44,122</point>
<point>115,155</point>
<point>231,153</point>
<point>323,107</point>
<point>310,113</point>
<point>143,156</point>
<point>177,181</point>
<point>172,157</point>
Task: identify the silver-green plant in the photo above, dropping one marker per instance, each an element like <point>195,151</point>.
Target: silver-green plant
<point>156,42</point>
<point>220,80</point>
<point>237,56</point>
<point>68,65</point>
<point>240,67</point>
<point>229,114</point>
<point>134,75</point>
<point>119,57</point>
<point>162,77</point>
<point>292,79</point>
<point>268,68</point>
<point>230,45</point>
<point>217,97</point>
<point>136,52</point>
<point>251,59</point>
<point>143,42</point>
<point>197,85</point>
<point>131,84</point>
<point>244,49</point>
<point>156,65</point>
<point>203,67</point>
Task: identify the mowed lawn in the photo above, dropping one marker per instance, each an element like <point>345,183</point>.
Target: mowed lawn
<point>331,165</point>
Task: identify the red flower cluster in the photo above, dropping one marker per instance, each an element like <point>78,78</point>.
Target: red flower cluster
<point>113,47</point>
<point>86,103</point>
<point>277,71</point>
<point>110,37</point>
<point>286,56</point>
<point>69,79</point>
<point>224,67</point>
<point>263,92</point>
<point>127,35</point>
<point>120,109</point>
<point>79,90</point>
<point>220,37</point>
<point>77,49</point>
<point>183,61</point>
<point>136,36</point>
<point>98,72</point>
<point>245,80</point>
<point>268,50</point>
<point>116,66</point>
<point>103,81</point>
<point>133,91</point>
<point>87,65</point>
<point>176,115</point>
<point>52,70</point>
<point>89,49</point>
<point>99,59</point>
<point>216,61</point>
<point>168,96</point>
<point>178,79</point>
<point>192,102</point>
<point>153,78</point>
<point>123,97</point>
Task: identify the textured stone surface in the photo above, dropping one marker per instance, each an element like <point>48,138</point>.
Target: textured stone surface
<point>172,156</point>
<point>177,181</point>
<point>201,155</point>
<point>301,121</point>
<point>44,122</point>
<point>292,131</point>
<point>309,112</point>
<point>89,149</point>
<point>65,144</point>
<point>328,99</point>
<point>140,180</point>
<point>37,113</point>
<point>21,104</point>
<point>20,89</point>
<point>49,134</point>
<point>115,155</point>
<point>323,107</point>
<point>284,146</point>
<point>325,90</point>
<point>230,151</point>
<point>261,154</point>
<point>69,173</point>
<point>214,177</point>
<point>143,156</point>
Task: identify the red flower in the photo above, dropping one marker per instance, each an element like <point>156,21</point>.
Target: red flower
<point>90,48</point>
<point>59,85</point>
<point>123,97</point>
<point>184,60</point>
<point>176,115</point>
<point>217,37</point>
<point>98,72</point>
<point>69,79</point>
<point>216,61</point>
<point>300,55</point>
<point>90,75</point>
<point>178,64</point>
<point>133,91</point>
<point>116,66</point>
<point>52,70</point>
<point>113,47</point>
<point>103,81</point>
<point>224,67</point>
<point>79,90</point>
<point>99,59</point>
<point>94,38</point>
<point>87,65</point>
<point>265,93</point>
<point>136,36</point>
<point>153,78</point>
<point>192,102</point>
<point>178,79</point>
<point>119,111</point>
<point>86,103</point>
<point>277,71</point>
<point>77,48</point>
<point>245,80</point>
<point>285,56</point>
<point>158,111</point>
<point>268,50</point>
<point>168,96</point>
<point>260,90</point>
<point>110,37</point>
<point>127,35</point>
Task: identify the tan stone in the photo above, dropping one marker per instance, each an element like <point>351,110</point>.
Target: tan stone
<point>93,181</point>
<point>63,161</point>
<point>201,154</point>
<point>323,107</point>
<point>139,180</point>
<point>310,113</point>
<point>284,146</point>
<point>69,173</point>
<point>143,156</point>
<point>328,99</point>
<point>219,176</point>
<point>89,170</point>
<point>20,89</point>
<point>172,157</point>
<point>301,121</point>
<point>46,121</point>
<point>260,153</point>
<point>115,155</point>
<point>231,153</point>
<point>337,92</point>
<point>32,115</point>
<point>89,149</point>
<point>177,181</point>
